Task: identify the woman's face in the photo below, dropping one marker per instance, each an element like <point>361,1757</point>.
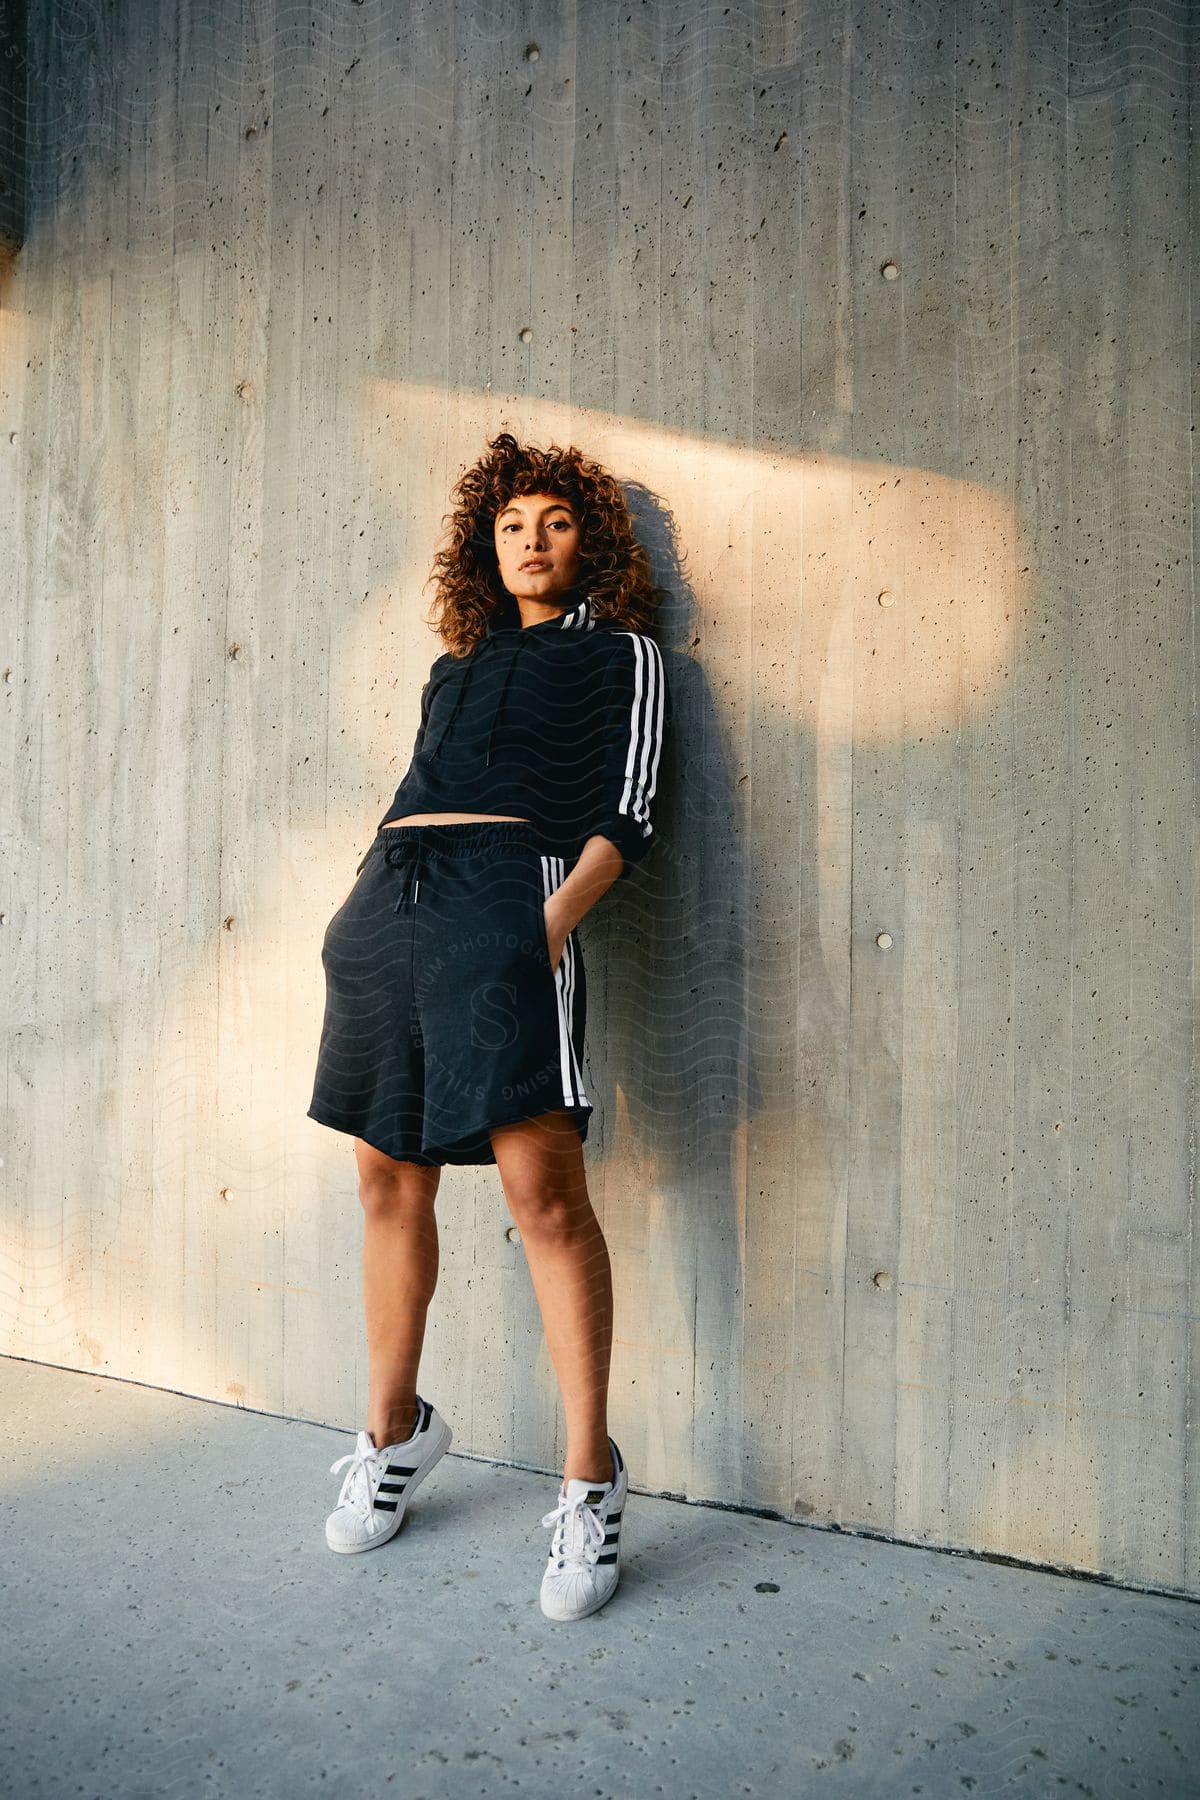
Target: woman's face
<point>540,530</point>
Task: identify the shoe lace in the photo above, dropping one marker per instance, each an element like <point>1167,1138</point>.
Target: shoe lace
<point>356,1489</point>
<point>578,1531</point>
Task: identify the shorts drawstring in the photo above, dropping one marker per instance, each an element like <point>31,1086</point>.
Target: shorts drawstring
<point>408,847</point>
<point>408,855</point>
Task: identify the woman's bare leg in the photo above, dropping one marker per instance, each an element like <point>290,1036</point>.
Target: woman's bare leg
<point>541,1167</point>
<point>400,1271</point>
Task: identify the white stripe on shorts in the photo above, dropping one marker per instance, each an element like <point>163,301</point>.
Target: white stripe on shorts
<point>553,875</point>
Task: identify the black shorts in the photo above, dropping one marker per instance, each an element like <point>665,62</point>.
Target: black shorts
<point>443,1017</point>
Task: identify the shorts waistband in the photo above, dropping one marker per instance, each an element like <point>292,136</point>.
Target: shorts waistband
<point>462,838</point>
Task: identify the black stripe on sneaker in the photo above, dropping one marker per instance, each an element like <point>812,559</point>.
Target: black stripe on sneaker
<point>612,1532</point>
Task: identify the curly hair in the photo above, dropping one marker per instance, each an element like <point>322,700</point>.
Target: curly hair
<point>614,570</point>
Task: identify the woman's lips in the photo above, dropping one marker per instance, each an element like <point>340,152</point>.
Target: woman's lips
<point>535,565</point>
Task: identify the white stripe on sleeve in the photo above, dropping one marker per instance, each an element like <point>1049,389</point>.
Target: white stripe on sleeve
<point>644,744</point>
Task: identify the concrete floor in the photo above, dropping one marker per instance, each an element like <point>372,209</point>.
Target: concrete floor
<point>173,1625</point>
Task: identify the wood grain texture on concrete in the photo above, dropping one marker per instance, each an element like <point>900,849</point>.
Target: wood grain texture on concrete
<point>884,317</point>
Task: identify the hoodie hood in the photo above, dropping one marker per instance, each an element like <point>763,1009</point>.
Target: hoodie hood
<point>506,616</point>
<point>505,640</point>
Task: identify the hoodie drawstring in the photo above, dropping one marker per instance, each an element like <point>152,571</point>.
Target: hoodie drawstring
<point>487,646</point>
<point>463,685</point>
<point>512,663</point>
<point>460,698</point>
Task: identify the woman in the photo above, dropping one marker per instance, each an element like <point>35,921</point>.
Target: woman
<point>455,988</point>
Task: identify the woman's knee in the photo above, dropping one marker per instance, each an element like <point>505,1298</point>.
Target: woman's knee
<point>388,1186</point>
<point>550,1213</point>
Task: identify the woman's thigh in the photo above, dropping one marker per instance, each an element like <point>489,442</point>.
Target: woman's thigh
<point>541,1166</point>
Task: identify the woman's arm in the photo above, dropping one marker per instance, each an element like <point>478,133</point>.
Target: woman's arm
<point>599,865</point>
<point>635,716</point>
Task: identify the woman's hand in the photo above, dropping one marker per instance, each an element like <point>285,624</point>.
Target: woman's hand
<point>558,929</point>
<point>598,867</point>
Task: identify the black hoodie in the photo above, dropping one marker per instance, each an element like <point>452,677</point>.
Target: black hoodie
<point>561,723</point>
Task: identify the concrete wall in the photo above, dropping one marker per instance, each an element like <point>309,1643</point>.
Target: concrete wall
<point>884,315</point>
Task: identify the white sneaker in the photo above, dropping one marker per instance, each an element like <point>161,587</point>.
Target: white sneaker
<point>585,1554</point>
<point>379,1483</point>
